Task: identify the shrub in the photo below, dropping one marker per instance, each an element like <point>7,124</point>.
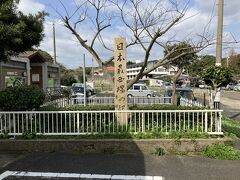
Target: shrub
<point>222,151</point>
<point>77,108</point>
<point>21,98</point>
<point>109,107</point>
<point>162,107</point>
<point>29,135</point>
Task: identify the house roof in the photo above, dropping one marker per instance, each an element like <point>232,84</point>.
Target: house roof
<point>109,68</point>
<point>27,54</point>
<point>33,56</point>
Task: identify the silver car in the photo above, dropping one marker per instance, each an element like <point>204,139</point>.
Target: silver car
<point>140,90</point>
<point>236,87</point>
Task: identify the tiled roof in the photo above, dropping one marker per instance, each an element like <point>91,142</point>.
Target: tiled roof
<point>27,54</point>
<point>33,56</point>
<point>109,68</point>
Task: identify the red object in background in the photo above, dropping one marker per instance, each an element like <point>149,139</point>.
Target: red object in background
<point>109,68</point>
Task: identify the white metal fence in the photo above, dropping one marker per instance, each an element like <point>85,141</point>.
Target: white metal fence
<point>190,102</point>
<point>93,122</point>
<point>63,102</point>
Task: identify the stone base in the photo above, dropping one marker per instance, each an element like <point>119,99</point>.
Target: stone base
<point>148,146</point>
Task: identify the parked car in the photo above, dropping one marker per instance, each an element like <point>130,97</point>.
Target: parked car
<point>230,86</point>
<point>168,85</point>
<point>201,86</point>
<point>236,87</point>
<point>140,90</point>
<point>183,92</point>
<point>88,87</point>
<point>77,92</point>
<point>159,83</point>
<point>204,86</point>
<point>194,82</point>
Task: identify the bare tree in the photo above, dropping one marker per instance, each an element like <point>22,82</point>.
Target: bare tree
<point>147,22</point>
<point>180,64</point>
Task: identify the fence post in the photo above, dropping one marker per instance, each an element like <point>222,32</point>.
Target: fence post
<point>219,122</point>
<point>78,123</point>
<point>14,126</point>
<point>216,122</point>
<point>206,122</point>
<point>143,123</point>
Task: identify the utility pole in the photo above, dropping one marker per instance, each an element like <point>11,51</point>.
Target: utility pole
<point>219,33</point>
<point>84,80</point>
<point>54,45</point>
<point>228,61</point>
<point>92,69</point>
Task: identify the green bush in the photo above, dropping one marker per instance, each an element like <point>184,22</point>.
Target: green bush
<point>222,151</point>
<point>29,135</point>
<point>162,107</point>
<point>21,98</point>
<point>77,108</point>
<point>109,107</point>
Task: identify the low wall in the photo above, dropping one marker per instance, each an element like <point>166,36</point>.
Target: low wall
<point>109,145</point>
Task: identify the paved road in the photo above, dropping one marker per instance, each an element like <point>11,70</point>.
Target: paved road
<point>231,104</point>
<point>169,167</point>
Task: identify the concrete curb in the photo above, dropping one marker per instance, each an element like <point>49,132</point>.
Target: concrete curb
<point>109,146</point>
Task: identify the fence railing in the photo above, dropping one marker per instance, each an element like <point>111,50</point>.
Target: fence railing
<point>190,102</point>
<point>94,122</point>
<point>63,102</point>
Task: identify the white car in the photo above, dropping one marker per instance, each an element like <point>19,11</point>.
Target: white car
<point>159,83</point>
<point>236,87</point>
<point>201,86</point>
<point>138,90</point>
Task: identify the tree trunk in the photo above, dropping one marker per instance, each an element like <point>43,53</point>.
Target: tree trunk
<point>174,86</point>
<point>174,94</point>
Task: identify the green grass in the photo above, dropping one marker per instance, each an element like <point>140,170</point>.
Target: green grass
<point>231,127</point>
<point>222,152</point>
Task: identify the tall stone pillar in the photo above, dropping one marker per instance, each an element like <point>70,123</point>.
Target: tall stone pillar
<point>120,79</point>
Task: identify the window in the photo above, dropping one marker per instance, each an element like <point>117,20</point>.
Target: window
<point>144,88</point>
<point>136,87</point>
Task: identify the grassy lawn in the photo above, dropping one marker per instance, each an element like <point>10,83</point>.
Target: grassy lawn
<point>231,127</point>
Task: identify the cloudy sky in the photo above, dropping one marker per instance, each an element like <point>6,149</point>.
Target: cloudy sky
<point>200,14</point>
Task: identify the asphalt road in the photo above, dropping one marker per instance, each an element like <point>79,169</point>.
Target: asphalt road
<point>230,101</point>
<point>149,166</point>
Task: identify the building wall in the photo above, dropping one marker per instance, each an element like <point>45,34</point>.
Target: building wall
<point>132,72</point>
